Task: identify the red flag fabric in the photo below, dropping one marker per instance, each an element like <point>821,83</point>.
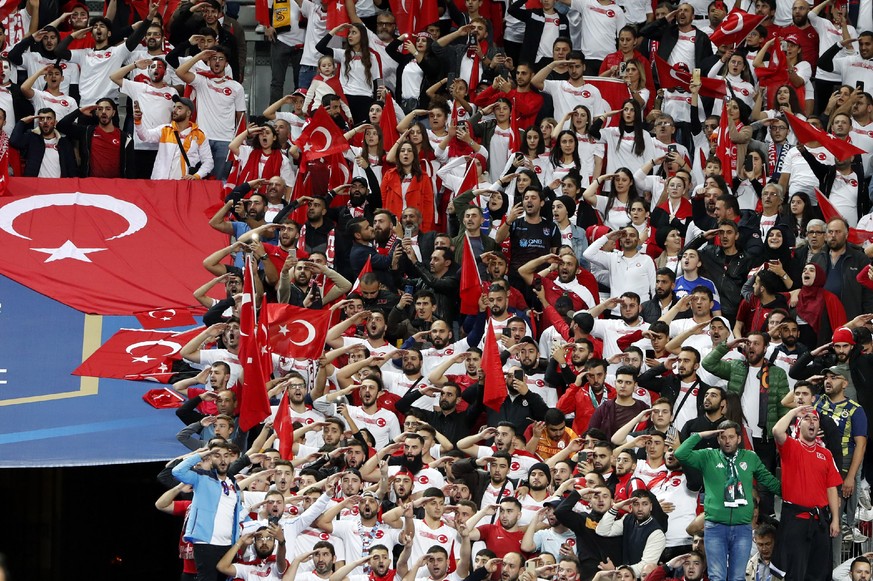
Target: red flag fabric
<point>515,135</point>
<point>297,332</point>
<point>723,150</point>
<point>321,137</point>
<point>336,14</point>
<point>414,15</point>
<point>774,74</point>
<point>233,177</point>
<point>262,13</point>
<point>672,78</point>
<point>613,91</point>
<point>99,245</point>
<point>492,366</point>
<point>428,13</point>
<point>471,178</point>
<point>254,356</point>
<point>135,354</point>
<point>388,123</point>
<point>735,27</point>
<point>806,133</point>
<point>368,267</point>
<point>166,318</point>
<point>284,428</point>
<point>4,174</point>
<point>856,236</point>
<point>471,282</point>
<point>163,398</point>
<point>715,88</point>
<point>7,7</point>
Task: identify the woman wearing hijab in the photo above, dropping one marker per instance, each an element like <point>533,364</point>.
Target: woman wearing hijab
<point>818,312</point>
<point>777,257</point>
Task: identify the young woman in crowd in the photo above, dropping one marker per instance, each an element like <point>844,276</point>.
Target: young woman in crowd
<point>359,66</point>
<point>614,206</point>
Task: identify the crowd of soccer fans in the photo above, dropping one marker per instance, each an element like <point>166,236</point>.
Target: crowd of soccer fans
<point>678,282</point>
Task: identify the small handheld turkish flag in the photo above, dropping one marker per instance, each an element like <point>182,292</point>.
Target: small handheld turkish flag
<point>471,282</point>
<point>165,318</point>
<point>495,382</point>
<point>388,123</point>
<point>297,332</point>
<point>135,354</point>
<point>254,355</point>
<point>368,267</point>
<point>807,133</point>
<point>321,137</point>
<point>735,27</point>
<point>284,428</point>
<point>828,211</point>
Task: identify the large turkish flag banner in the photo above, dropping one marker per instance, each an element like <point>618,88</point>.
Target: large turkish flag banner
<point>107,246</point>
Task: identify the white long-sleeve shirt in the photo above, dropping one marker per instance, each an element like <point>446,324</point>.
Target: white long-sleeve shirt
<point>626,274</point>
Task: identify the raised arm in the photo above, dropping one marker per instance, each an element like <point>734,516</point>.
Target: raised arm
<point>191,350</point>
<point>184,70</point>
<point>539,79</point>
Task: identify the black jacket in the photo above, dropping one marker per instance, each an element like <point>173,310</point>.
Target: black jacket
<point>669,387</point>
<point>445,288</point>
<point>477,480</point>
<point>750,235</point>
<point>591,548</point>
<point>856,298</point>
<point>535,22</point>
<point>521,411</point>
<point>651,309</point>
<point>667,35</point>
<point>828,173</point>
<point>728,272</point>
<point>32,148</point>
<point>81,127</point>
<point>453,426</point>
<point>430,65</point>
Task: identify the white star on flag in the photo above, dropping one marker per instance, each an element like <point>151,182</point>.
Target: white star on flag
<point>68,250</point>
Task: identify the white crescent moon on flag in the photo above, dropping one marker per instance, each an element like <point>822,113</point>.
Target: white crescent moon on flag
<point>345,171</point>
<point>328,141</point>
<point>174,347</point>
<point>171,311</point>
<point>136,218</point>
<point>310,333</point>
<point>736,28</point>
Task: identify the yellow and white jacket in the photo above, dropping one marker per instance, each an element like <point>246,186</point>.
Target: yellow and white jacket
<point>169,163</point>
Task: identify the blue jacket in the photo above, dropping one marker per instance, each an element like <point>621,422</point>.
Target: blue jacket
<point>207,491</point>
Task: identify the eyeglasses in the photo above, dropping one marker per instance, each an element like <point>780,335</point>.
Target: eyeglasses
<point>808,232</point>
